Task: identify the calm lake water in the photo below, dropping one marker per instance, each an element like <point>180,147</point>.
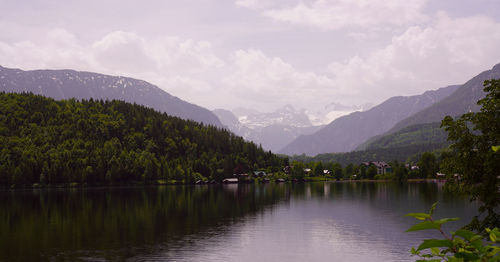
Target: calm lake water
<point>275,222</point>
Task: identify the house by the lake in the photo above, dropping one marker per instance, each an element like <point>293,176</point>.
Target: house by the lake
<point>382,167</point>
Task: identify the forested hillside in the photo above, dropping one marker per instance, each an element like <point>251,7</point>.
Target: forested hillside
<point>95,142</point>
<point>421,134</point>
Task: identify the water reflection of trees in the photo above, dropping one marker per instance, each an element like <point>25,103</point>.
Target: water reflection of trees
<point>38,225</point>
<point>376,193</point>
<point>116,223</point>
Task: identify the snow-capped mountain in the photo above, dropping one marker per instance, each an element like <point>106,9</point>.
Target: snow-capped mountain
<point>273,130</point>
<point>286,115</point>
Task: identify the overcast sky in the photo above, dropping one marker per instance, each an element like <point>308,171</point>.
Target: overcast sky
<point>260,54</point>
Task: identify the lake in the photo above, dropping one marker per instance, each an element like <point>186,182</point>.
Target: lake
<point>343,221</point>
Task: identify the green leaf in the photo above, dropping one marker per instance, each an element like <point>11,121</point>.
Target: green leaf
<point>433,208</point>
<point>419,216</point>
<point>465,234</point>
<point>445,220</point>
<point>495,148</point>
<point>493,237</point>
<point>423,226</point>
<point>494,250</point>
<point>434,243</point>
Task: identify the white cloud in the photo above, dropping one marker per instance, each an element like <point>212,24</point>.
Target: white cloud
<point>129,52</point>
<point>271,82</point>
<point>170,62</point>
<point>117,51</point>
<point>337,14</point>
<point>251,3</point>
<point>260,4</point>
<point>123,52</point>
<point>58,49</point>
<point>445,51</point>
<point>450,51</point>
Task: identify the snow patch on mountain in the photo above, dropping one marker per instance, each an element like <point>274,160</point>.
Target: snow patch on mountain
<point>286,115</point>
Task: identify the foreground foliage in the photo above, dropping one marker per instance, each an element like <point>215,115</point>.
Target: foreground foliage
<point>461,245</point>
<point>474,159</point>
<point>472,168</point>
<point>52,142</point>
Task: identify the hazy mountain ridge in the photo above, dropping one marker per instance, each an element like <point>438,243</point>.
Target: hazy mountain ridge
<point>460,102</point>
<point>64,84</point>
<point>424,126</point>
<point>346,133</point>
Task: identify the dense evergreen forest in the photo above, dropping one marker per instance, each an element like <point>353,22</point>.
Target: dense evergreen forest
<point>46,141</point>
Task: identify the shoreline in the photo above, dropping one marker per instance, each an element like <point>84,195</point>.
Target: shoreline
<point>178,183</point>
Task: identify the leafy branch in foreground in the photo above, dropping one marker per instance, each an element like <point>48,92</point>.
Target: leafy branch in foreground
<point>475,158</point>
<point>461,245</point>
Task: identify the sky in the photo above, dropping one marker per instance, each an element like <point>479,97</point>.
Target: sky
<point>260,54</point>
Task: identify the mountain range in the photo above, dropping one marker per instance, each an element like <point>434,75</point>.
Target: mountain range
<point>346,133</point>
<point>64,84</point>
<point>398,121</point>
